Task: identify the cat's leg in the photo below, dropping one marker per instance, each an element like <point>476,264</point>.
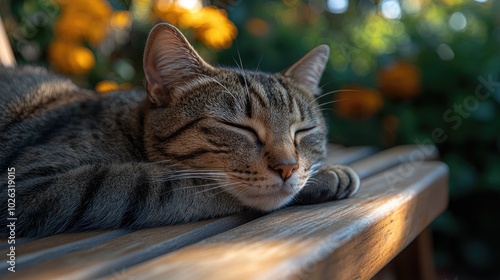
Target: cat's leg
<point>94,197</point>
<point>329,183</point>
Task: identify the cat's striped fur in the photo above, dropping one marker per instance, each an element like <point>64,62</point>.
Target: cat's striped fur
<point>202,142</point>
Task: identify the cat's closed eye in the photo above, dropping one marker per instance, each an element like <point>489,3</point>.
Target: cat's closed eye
<point>246,129</point>
<point>304,130</point>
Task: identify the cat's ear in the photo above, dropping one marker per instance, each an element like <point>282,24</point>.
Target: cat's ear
<point>309,69</point>
<point>170,62</point>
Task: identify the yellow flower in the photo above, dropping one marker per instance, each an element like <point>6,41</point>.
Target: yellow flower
<point>106,86</point>
<point>71,58</point>
<point>169,11</point>
<point>81,60</point>
<point>80,21</point>
<point>358,103</point>
<point>400,80</point>
<point>121,19</point>
<point>211,25</point>
<point>84,20</point>
<point>218,31</point>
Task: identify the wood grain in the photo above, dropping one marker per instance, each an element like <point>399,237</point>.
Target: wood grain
<point>6,54</point>
<point>348,155</point>
<point>129,249</point>
<point>295,239</point>
<point>407,156</point>
<point>47,248</point>
<point>346,239</point>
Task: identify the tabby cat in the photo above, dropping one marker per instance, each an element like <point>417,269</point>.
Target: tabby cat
<point>201,142</point>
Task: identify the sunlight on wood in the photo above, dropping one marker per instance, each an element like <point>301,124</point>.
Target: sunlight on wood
<point>6,55</point>
<point>316,241</point>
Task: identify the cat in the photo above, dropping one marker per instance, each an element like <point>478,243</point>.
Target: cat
<point>200,142</point>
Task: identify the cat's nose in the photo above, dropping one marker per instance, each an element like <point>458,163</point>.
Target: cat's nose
<point>285,170</point>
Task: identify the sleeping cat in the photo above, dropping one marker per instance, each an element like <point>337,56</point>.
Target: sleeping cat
<point>201,142</point>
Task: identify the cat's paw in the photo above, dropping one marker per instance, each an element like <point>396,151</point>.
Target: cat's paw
<point>331,182</point>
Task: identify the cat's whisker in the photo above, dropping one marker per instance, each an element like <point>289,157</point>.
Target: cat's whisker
<point>258,63</point>
<point>331,92</point>
<point>199,173</point>
<point>190,170</point>
<point>240,66</point>
<point>327,109</point>
<point>246,85</point>
<point>220,186</point>
<point>211,185</point>
<point>176,175</point>
<point>325,84</point>
<point>237,65</point>
<point>204,172</point>
<point>331,102</point>
<point>191,177</point>
<point>315,168</point>
<point>242,70</point>
<point>312,180</point>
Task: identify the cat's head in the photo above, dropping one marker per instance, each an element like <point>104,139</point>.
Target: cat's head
<point>259,136</point>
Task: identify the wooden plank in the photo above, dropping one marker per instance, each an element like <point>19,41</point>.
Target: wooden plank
<point>129,249</point>
<point>19,241</point>
<point>47,248</point>
<point>332,147</point>
<point>346,239</point>
<point>6,54</point>
<point>348,155</point>
<point>407,156</point>
<point>51,247</point>
<point>341,155</point>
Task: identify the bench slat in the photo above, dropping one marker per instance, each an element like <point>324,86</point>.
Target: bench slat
<point>83,264</point>
<point>367,230</point>
<point>45,249</point>
<point>53,246</point>
<point>129,249</point>
<point>348,155</point>
<point>410,155</point>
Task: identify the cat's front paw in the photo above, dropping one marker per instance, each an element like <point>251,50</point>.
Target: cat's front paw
<point>331,182</point>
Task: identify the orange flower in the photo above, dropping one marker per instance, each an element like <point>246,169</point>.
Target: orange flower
<point>80,21</point>
<point>358,103</point>
<point>211,25</point>
<point>217,31</point>
<point>84,20</point>
<point>121,20</point>
<point>106,86</point>
<point>169,11</point>
<point>400,80</point>
<point>70,57</point>
<point>257,27</point>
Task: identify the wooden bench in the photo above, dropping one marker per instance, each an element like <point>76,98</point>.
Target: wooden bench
<point>6,54</point>
<point>402,193</point>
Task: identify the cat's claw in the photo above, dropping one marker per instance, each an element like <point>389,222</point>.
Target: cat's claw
<point>330,183</point>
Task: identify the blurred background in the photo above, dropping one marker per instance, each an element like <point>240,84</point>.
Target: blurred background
<point>400,72</point>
